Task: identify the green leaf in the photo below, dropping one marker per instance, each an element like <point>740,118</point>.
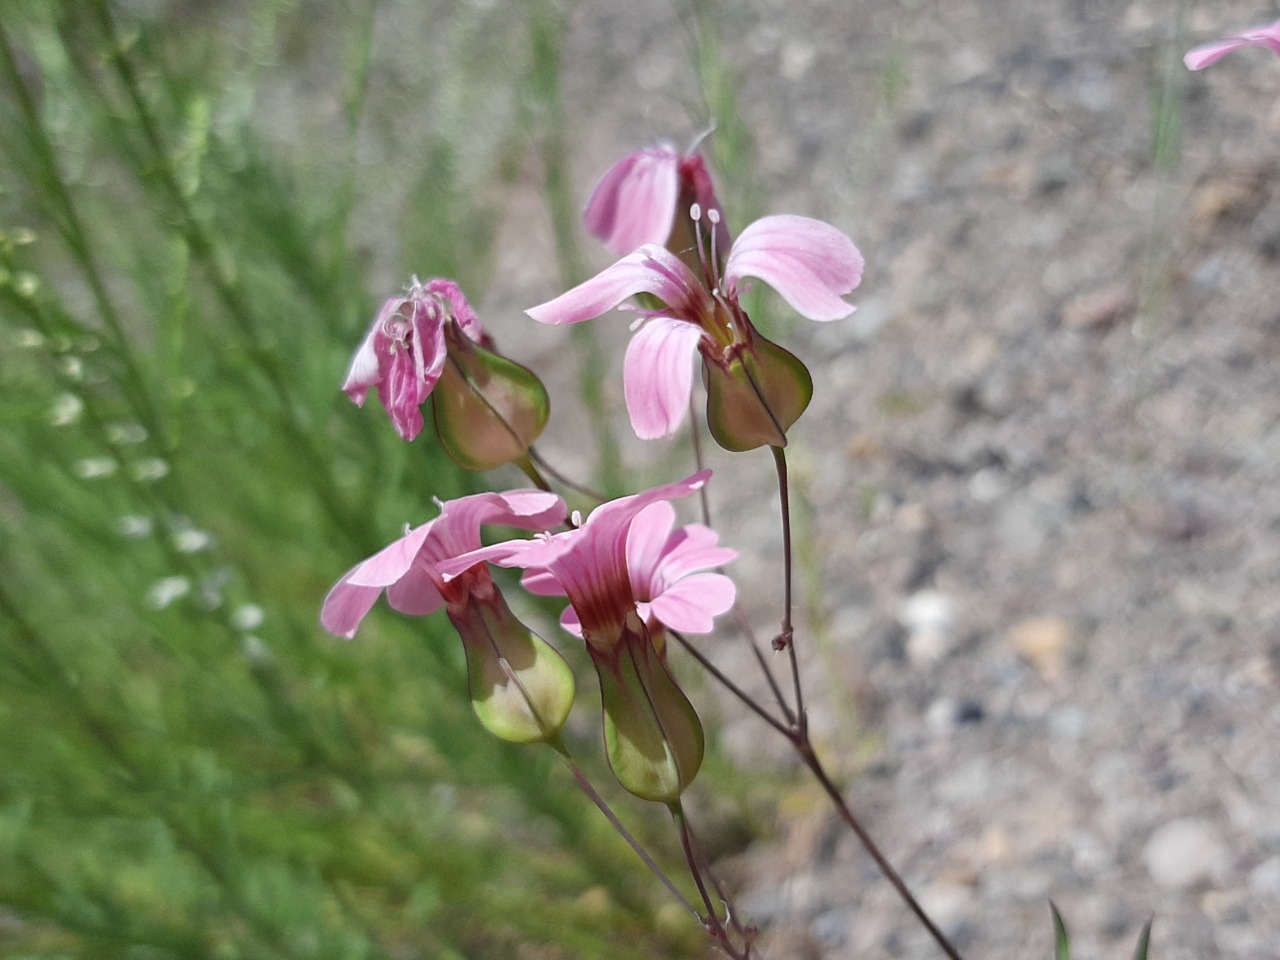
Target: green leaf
<point>1144,941</point>
<point>1061,942</point>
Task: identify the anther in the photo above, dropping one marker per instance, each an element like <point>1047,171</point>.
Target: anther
<point>695,213</point>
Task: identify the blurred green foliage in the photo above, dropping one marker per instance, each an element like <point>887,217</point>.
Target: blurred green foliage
<point>189,766</point>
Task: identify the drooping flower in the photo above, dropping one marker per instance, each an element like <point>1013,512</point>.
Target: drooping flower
<point>645,198</point>
<point>520,687</point>
<point>670,575</point>
<point>653,737</point>
<point>1210,53</point>
<point>756,389</point>
<point>487,409</point>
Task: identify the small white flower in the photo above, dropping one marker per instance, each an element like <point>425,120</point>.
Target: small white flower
<point>192,540</point>
<point>150,469</point>
<point>255,650</point>
<point>164,592</point>
<point>67,408</point>
<point>126,433</point>
<point>92,468</point>
<point>135,526</point>
<point>247,616</point>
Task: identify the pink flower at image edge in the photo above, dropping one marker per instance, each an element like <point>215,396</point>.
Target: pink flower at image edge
<point>1211,53</point>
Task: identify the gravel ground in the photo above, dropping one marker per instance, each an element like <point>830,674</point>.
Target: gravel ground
<point>1040,566</point>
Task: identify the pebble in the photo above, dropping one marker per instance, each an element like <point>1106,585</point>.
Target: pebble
<point>1186,852</point>
<point>1043,643</point>
<point>928,616</point>
<point>1264,879</point>
<point>1099,309</point>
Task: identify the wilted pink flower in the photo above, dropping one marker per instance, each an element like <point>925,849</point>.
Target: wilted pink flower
<point>520,688</point>
<point>404,352</point>
<point>668,572</point>
<point>639,198</point>
<point>652,734</point>
<point>810,263</point>
<point>1201,57</point>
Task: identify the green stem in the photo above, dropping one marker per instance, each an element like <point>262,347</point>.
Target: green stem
<point>602,805</point>
<point>712,922</point>
<point>786,638</point>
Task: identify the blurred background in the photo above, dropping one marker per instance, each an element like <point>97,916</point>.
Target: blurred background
<point>1038,498</point>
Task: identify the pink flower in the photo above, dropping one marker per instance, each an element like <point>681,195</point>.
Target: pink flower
<point>520,688</point>
<point>638,199</point>
<point>404,352</point>
<point>667,569</point>
<point>653,736</point>
<point>810,263</point>
<point>592,564</point>
<point>1201,57</point>
<point>409,570</point>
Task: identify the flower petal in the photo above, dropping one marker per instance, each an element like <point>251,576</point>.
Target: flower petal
<point>457,529</point>
<point>657,376</point>
<point>650,269</point>
<point>646,542</point>
<point>693,604</point>
<point>408,583</point>
<point>346,606</point>
<point>810,263</point>
<point>363,372</point>
<point>391,562</point>
<point>635,201</point>
<point>691,549</point>
<point>1210,53</point>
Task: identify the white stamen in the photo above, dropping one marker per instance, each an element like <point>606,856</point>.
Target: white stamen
<point>576,518</point>
<point>695,213</point>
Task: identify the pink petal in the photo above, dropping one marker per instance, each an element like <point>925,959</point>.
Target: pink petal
<point>391,562</point>
<point>811,263</point>
<point>693,604</point>
<point>1210,53</point>
<point>635,201</point>
<point>650,269</point>
<point>691,549</point>
<point>457,530</point>
<point>648,536</point>
<point>363,372</point>
<point>346,606</point>
<point>408,583</point>
<point>466,317</point>
<point>570,623</point>
<point>657,376</point>
<point>541,583</point>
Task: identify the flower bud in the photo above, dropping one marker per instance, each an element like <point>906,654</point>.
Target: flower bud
<point>652,734</point>
<point>755,394</point>
<point>521,688</point>
<point>488,410</point>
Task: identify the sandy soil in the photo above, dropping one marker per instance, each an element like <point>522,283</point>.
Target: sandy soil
<point>1041,564</point>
